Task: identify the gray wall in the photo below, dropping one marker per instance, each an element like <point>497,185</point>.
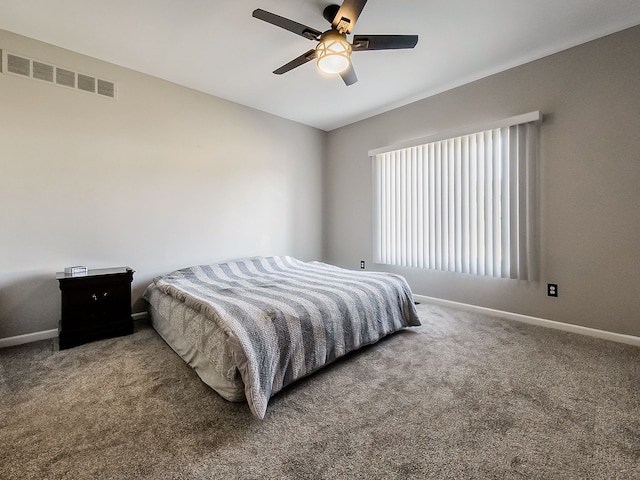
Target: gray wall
<point>589,183</point>
<point>161,178</point>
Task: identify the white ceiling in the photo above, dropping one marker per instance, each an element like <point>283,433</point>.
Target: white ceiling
<point>219,48</point>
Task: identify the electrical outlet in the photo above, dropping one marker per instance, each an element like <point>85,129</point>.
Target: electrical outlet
<point>362,264</point>
<point>552,289</point>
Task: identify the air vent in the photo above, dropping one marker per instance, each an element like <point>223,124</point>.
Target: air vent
<point>18,65</point>
<point>65,77</point>
<point>27,67</point>
<point>108,89</point>
<point>86,83</point>
<point>42,71</point>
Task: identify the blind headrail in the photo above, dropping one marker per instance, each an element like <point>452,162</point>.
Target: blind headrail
<point>506,122</point>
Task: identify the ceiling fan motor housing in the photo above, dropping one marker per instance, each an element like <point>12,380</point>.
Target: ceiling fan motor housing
<point>330,12</point>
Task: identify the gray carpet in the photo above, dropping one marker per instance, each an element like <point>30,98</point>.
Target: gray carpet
<point>465,396</point>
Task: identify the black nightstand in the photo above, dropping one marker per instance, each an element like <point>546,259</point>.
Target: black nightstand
<point>94,306</point>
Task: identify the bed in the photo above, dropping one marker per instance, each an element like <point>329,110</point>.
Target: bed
<point>250,327</point>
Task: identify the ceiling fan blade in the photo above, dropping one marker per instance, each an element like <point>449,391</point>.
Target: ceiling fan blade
<point>296,62</point>
<point>349,75</point>
<point>383,42</point>
<point>347,15</point>
<point>290,25</point>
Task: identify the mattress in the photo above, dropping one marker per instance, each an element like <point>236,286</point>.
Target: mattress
<point>261,323</point>
<point>183,329</point>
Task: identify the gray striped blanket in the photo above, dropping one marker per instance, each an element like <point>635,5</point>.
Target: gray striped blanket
<point>286,318</point>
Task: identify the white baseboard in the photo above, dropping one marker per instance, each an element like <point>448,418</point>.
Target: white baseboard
<point>53,333</point>
<point>28,338</point>
<point>567,327</point>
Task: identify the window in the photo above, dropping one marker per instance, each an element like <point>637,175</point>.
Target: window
<point>462,202</point>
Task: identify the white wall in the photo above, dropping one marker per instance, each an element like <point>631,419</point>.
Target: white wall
<point>589,183</point>
<point>161,178</point>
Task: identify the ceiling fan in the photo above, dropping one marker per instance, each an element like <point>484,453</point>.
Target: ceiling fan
<point>333,52</point>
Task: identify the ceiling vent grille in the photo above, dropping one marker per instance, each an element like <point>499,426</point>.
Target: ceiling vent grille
<point>27,67</point>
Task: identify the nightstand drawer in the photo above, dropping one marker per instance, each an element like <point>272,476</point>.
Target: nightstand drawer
<point>93,300</point>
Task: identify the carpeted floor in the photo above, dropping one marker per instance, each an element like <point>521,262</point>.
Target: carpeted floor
<point>463,397</point>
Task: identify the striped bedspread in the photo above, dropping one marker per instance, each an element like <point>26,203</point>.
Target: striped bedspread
<point>286,318</point>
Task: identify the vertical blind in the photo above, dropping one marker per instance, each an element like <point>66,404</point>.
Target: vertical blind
<point>464,204</point>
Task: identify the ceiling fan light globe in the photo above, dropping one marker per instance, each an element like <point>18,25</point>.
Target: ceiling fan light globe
<point>333,54</point>
<point>333,63</point>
